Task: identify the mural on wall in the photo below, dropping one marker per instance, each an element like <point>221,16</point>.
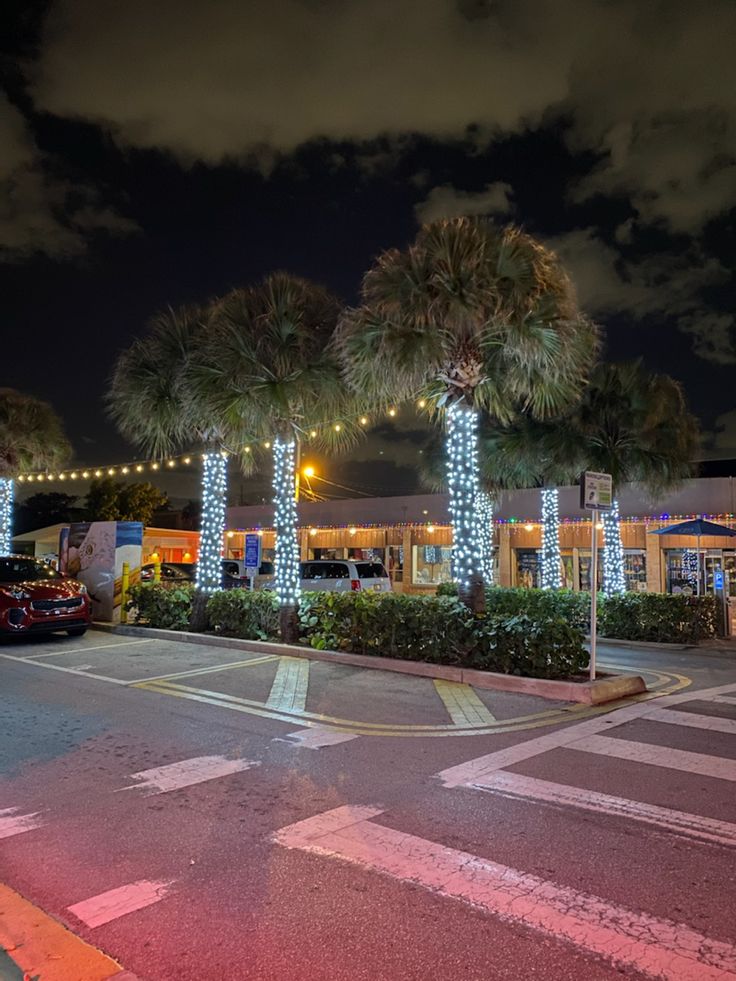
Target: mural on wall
<point>94,552</point>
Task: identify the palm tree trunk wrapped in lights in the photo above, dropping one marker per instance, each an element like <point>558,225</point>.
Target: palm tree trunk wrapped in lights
<point>464,490</point>
<point>214,489</point>
<point>484,510</point>
<point>551,577</point>
<point>286,564</point>
<point>614,580</point>
<point>6,515</point>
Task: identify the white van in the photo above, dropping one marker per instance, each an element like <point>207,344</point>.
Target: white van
<point>342,576</point>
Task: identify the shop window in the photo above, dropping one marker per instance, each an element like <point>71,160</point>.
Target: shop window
<point>528,567</point>
<point>432,565</point>
<point>396,562</point>
<point>584,570</point>
<point>635,569</point>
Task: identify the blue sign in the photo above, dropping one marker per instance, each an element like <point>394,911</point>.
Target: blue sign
<point>718,579</point>
<point>253,553</point>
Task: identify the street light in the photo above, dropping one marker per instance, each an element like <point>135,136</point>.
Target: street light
<point>308,472</point>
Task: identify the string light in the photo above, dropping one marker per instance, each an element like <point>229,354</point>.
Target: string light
<point>363,421</point>
<point>123,470</point>
<point>286,553</point>
<point>462,483</point>
<point>392,412</point>
<point>171,463</point>
<point>154,466</point>
<point>422,403</point>
<point>484,507</point>
<point>139,468</point>
<point>214,485</point>
<point>551,573</point>
<point>6,515</point>
<point>614,580</point>
<point>690,567</point>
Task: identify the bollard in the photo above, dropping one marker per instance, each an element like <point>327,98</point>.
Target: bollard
<point>157,570</point>
<point>125,587</point>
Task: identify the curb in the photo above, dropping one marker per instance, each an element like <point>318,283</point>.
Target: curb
<point>42,947</point>
<point>596,692</point>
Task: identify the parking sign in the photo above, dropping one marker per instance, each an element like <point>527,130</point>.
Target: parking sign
<point>596,491</point>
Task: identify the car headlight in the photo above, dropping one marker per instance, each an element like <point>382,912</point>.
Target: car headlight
<point>14,593</point>
<point>82,589</point>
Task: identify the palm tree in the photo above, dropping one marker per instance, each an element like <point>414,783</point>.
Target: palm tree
<point>636,426</point>
<point>163,398</point>
<point>472,318</point>
<point>31,438</point>
<point>278,377</point>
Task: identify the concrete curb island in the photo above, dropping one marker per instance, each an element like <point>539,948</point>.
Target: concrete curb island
<point>598,692</point>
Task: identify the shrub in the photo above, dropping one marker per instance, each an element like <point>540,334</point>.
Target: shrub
<point>540,604</point>
<point>440,630</point>
<point>241,613</point>
<point>658,617</point>
<point>156,605</point>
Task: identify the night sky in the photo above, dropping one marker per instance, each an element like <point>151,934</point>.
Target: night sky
<point>155,153</point>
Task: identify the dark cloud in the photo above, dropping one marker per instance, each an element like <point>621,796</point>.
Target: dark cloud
<point>449,202</point>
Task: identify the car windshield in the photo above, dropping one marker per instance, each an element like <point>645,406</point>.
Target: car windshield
<point>26,570</point>
<point>370,570</point>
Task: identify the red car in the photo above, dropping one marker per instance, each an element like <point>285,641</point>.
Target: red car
<point>34,597</point>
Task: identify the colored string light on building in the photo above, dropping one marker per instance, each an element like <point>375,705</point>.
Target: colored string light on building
<point>551,573</point>
<point>614,579</point>
<point>286,553</point>
<point>6,515</point>
<point>462,484</point>
<point>214,487</point>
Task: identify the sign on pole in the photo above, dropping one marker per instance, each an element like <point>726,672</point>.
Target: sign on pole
<point>596,494</point>
<point>596,491</point>
<point>252,555</point>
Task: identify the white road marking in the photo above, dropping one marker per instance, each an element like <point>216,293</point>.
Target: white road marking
<point>58,667</point>
<point>210,670</point>
<point>289,690</point>
<point>82,650</point>
<point>473,770</point>
<point>724,699</point>
<point>463,705</point>
<point>664,756</point>
<point>12,823</point>
<point>661,949</point>
<point>119,902</point>
<point>186,773</point>
<point>712,723</point>
<point>663,818</point>
<point>317,737</point>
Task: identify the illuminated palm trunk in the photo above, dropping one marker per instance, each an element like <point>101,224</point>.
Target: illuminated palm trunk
<point>614,580</point>
<point>551,577</point>
<point>286,561</point>
<point>6,514</point>
<point>214,490</point>
<point>464,488</point>
<point>484,508</point>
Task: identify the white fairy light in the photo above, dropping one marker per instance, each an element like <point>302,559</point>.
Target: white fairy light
<point>614,580</point>
<point>551,575</point>
<point>214,486</point>
<point>286,553</point>
<point>6,515</point>
<point>484,509</point>
<point>690,567</point>
<point>462,485</point>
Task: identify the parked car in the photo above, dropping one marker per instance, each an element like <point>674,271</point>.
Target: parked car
<point>171,572</point>
<point>234,574</point>
<point>342,576</point>
<point>34,598</point>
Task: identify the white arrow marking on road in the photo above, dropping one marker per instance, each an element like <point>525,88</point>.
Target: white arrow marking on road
<point>186,773</point>
<point>661,949</point>
<point>118,902</point>
<point>12,823</point>
<point>317,737</point>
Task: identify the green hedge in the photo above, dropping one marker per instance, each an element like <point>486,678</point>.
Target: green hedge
<point>658,617</point>
<point>156,605</point>
<point>240,613</point>
<point>440,630</point>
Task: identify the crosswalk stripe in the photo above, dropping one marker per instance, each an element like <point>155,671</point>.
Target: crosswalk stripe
<point>462,704</point>
<point>664,756</point>
<point>12,823</point>
<point>694,720</point>
<point>214,669</point>
<point>119,902</point>
<point>724,699</point>
<point>289,690</point>
<point>663,818</point>
<point>658,948</point>
<point>187,773</point>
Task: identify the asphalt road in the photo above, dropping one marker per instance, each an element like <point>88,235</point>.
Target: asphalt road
<point>272,818</point>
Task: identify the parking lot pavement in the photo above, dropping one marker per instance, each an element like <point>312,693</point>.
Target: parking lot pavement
<point>191,840</point>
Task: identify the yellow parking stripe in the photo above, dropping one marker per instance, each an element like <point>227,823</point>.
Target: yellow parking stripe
<point>462,704</point>
<point>289,690</point>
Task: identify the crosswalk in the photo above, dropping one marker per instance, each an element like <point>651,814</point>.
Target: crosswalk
<point>368,836</point>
